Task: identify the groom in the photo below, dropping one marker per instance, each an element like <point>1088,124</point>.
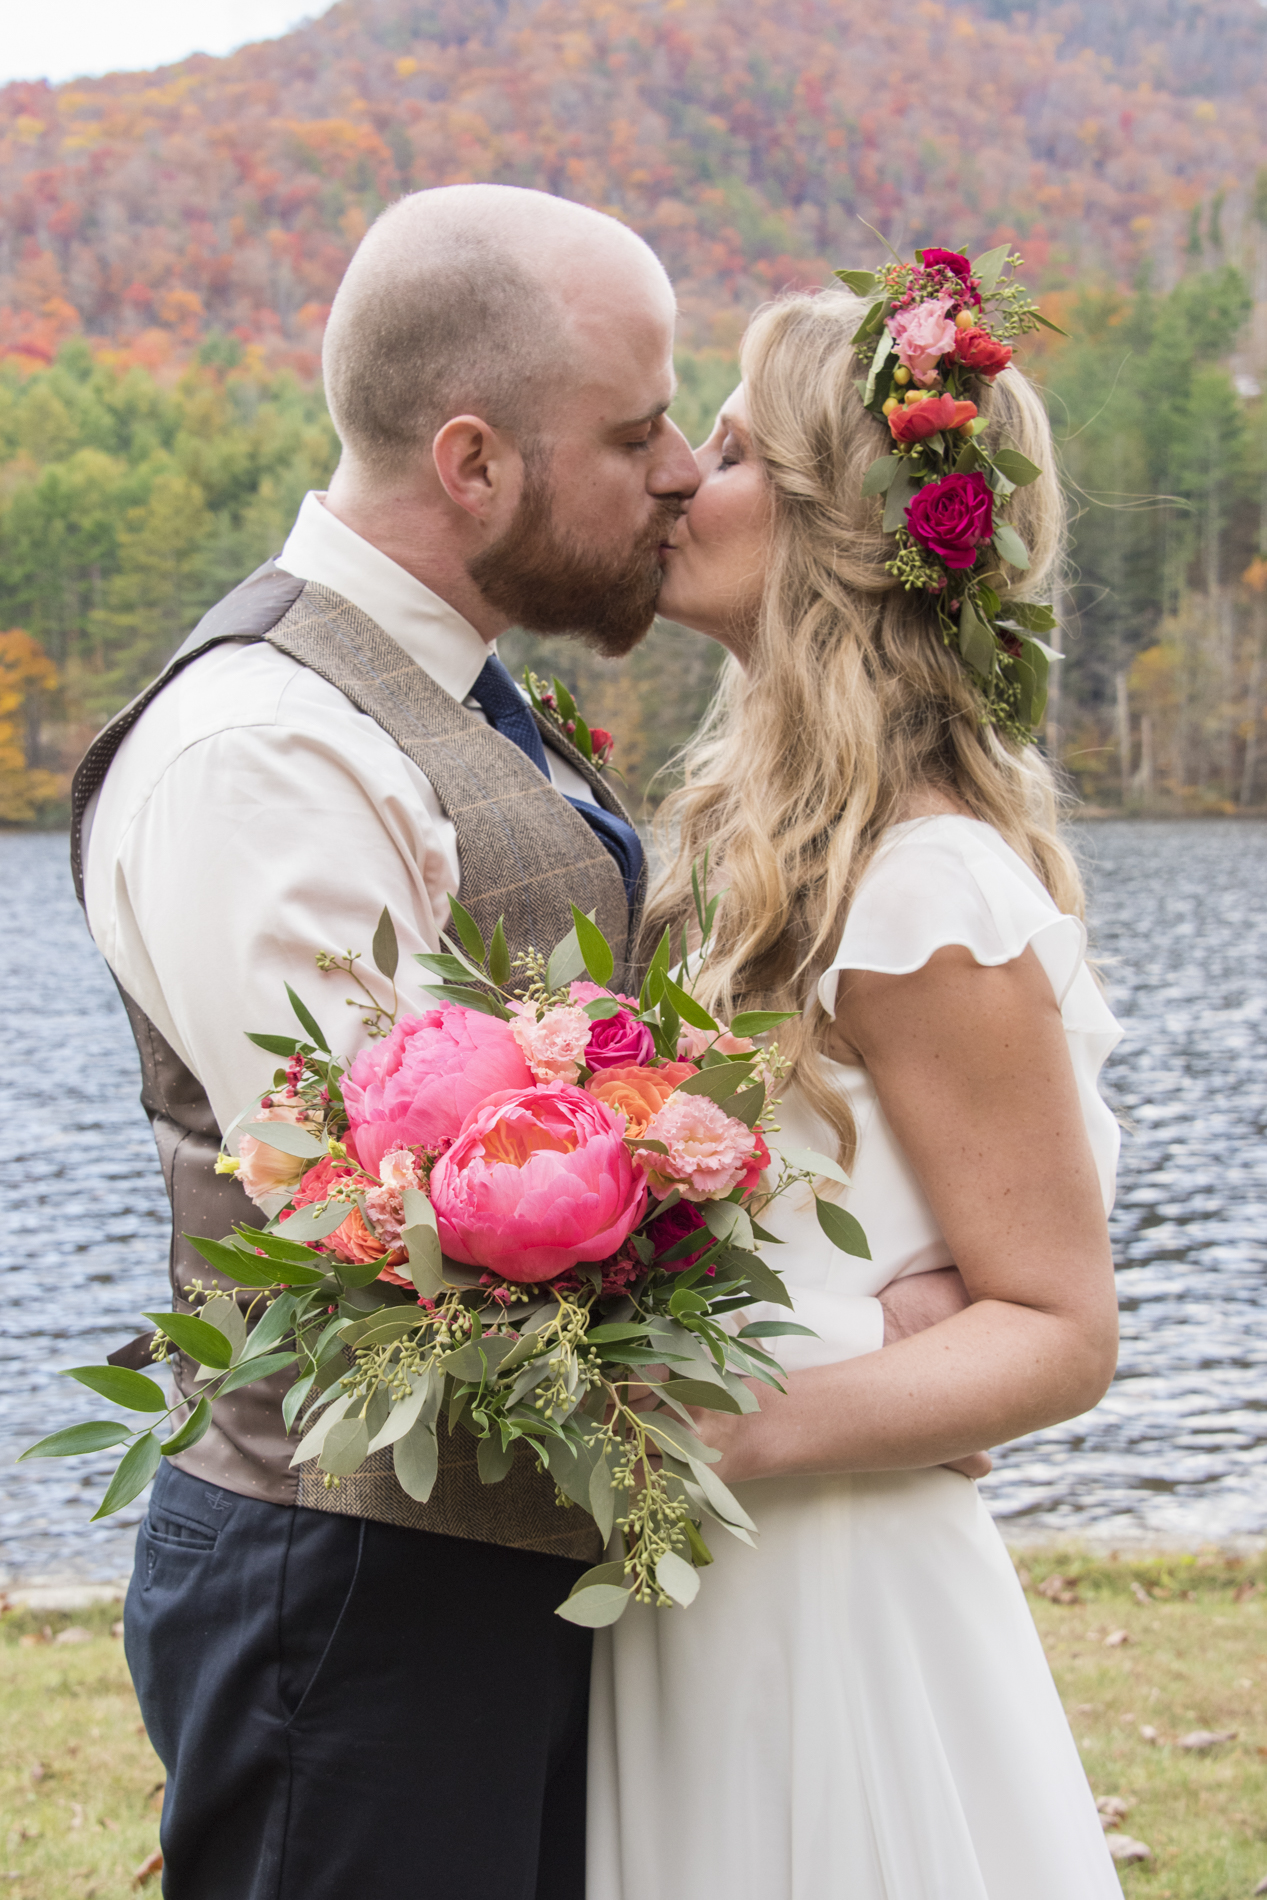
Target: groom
<point>354,1694</point>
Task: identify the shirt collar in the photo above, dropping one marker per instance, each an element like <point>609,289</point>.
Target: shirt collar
<point>323,549</point>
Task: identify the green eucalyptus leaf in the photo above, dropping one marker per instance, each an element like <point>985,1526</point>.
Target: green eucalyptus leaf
<point>814,1163</point>
<point>95,1435</point>
<point>1047,323</point>
<point>312,1223</point>
<point>195,1427</point>
<point>864,283</point>
<point>294,1399</point>
<point>728,1509</point>
<point>493,1460</point>
<point>701,1393</point>
<point>900,493</point>
<point>757,1022</point>
<point>595,1607</point>
<point>274,1045</point>
<point>986,269</point>
<point>1009,545</point>
<point>308,1020</point>
<point>135,1469</point>
<point>345,1447</point>
<point>603,1008</point>
<point>384,948</point>
<point>567,962</point>
<point>468,931</point>
<point>1018,468</point>
<point>444,964</point>
<point>883,351</point>
<point>775,1329</point>
<point>247,1371</point>
<point>272,1326</point>
<point>315,1436</point>
<point>122,1386</point>
<point>720,1082</point>
<point>688,1009</point>
<point>677,1578</point>
<point>602,1497</point>
<point>842,1228</point>
<point>204,1344</point>
<point>291,1138</point>
<point>976,642</point>
<point>416,1459</point>
<point>594,947</point>
<point>1032,616</point>
<point>499,957</point>
<point>566,703</point>
<point>224,1313</point>
<point>761,1280</point>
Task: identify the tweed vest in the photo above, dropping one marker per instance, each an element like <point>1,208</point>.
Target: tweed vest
<point>526,855</point>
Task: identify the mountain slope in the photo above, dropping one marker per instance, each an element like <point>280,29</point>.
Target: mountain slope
<point>743,138</point>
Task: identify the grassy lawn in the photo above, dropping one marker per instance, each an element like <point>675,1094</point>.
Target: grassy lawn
<point>80,1787</point>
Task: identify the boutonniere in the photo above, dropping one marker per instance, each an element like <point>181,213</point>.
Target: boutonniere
<point>594,743</point>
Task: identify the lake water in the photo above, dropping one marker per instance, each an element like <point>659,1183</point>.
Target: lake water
<point>1177,1451</point>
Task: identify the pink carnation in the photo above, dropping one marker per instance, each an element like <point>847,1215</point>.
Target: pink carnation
<point>417,1086</point>
<point>708,1150</point>
<point>923,336</point>
<point>554,1048</point>
<point>538,1180</point>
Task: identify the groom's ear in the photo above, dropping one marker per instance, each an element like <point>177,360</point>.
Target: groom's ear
<point>480,468</point>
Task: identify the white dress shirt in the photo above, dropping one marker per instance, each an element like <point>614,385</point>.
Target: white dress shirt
<point>253,817</point>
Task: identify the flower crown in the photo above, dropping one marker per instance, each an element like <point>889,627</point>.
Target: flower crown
<point>934,330</point>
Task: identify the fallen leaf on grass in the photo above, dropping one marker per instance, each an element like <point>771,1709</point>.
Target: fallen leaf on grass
<point>1116,1638</point>
<point>74,1634</point>
<point>1241,1594</point>
<point>1122,1847</point>
<point>1113,1809</point>
<point>148,1868</point>
<point>116,1629</point>
<point>38,1771</point>
<point>1200,1739</point>
<point>1058,1589</point>
<point>1139,1593</point>
<point>1147,1733</point>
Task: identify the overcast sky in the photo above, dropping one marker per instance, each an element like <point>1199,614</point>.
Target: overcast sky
<point>67,39</point>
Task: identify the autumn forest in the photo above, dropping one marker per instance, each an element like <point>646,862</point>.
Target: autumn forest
<point>170,243</point>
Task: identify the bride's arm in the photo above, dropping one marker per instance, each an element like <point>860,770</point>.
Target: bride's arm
<point>973,1071</point>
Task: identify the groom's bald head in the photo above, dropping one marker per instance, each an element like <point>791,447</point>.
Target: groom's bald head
<point>475,299</point>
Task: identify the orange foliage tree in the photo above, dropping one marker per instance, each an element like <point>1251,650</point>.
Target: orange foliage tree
<point>25,671</point>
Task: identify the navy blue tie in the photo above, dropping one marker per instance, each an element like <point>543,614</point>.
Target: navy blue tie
<point>507,712</point>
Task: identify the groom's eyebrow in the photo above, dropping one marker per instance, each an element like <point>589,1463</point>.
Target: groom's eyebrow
<point>640,422</point>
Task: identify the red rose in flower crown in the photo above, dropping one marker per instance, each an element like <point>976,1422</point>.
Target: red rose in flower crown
<point>956,262</point>
<point>978,351</point>
<point>953,517</point>
<point>922,419</point>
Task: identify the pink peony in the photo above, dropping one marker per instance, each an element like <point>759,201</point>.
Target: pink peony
<point>708,1150</point>
<point>266,1171</point>
<point>923,336</point>
<point>692,1042</point>
<point>420,1083</point>
<point>554,1047</point>
<point>538,1180</point>
<point>617,1041</point>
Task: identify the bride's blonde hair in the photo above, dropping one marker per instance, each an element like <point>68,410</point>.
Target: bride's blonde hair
<point>851,701</point>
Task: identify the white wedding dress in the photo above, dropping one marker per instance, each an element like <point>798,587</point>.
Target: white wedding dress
<point>860,1709</point>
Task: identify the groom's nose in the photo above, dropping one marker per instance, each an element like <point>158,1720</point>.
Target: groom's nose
<point>674,470</point>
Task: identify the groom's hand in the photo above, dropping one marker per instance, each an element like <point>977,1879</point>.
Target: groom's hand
<point>914,1304</point>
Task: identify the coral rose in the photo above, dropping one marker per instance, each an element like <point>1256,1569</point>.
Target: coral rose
<point>923,419</point>
<point>538,1180</point>
<point>758,1162</point>
<point>953,517</point>
<point>618,1040</point>
<point>554,1048</point>
<point>923,335</point>
<point>978,351</point>
<point>707,1150</point>
<point>638,1093</point>
<point>330,1179</point>
<point>420,1083</point>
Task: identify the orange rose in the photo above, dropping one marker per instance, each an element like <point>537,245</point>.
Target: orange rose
<point>926,418</point>
<point>636,1092</point>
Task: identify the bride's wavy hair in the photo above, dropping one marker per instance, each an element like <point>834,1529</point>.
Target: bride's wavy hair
<point>851,701</point>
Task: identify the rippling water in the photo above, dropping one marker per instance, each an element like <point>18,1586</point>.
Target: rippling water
<point>1176,1452</point>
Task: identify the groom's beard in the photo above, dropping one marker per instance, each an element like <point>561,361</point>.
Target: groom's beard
<point>548,583</point>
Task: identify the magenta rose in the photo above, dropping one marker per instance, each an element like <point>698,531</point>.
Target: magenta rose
<point>538,1180</point>
<point>953,517</point>
<point>618,1040</point>
<point>419,1084</point>
<point>667,1229</point>
<point>953,261</point>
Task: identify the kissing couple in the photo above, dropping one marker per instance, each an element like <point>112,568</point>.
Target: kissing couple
<point>353,1693</point>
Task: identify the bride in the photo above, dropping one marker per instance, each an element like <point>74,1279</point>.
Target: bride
<point>861,1709</point>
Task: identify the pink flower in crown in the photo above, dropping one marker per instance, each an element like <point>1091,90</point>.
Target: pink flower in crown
<point>553,1048</point>
<point>708,1151</point>
<point>586,992</point>
<point>923,336</point>
<point>692,1042</point>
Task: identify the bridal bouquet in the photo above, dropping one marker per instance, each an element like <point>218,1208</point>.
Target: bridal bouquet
<point>533,1205</point>
<point>935,330</point>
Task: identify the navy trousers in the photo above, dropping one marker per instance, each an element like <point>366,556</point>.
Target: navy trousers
<point>347,1710</point>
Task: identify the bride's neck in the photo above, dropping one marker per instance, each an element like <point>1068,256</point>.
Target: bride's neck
<point>928,801</point>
